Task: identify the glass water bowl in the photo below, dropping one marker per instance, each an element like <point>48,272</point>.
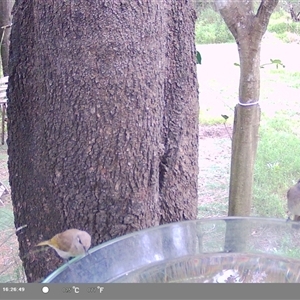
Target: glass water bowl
<point>232,249</point>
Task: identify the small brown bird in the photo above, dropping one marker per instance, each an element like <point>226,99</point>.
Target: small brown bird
<point>70,243</point>
<point>293,196</point>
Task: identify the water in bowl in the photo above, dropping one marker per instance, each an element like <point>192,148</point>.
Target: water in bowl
<point>219,268</point>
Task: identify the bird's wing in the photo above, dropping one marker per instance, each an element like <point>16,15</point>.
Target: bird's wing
<point>62,241</point>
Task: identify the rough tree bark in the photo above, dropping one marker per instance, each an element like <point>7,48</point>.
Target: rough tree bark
<point>248,29</point>
<point>102,119</point>
<point>5,22</point>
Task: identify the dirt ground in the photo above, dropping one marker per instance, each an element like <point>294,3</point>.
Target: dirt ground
<point>215,131</point>
<point>214,168</point>
<point>9,259</point>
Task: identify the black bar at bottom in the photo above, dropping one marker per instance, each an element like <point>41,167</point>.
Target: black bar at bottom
<point>143,291</point>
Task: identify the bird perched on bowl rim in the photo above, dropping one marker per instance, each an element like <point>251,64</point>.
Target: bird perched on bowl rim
<point>293,202</point>
<point>70,243</point>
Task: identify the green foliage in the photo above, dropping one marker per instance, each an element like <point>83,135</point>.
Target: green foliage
<point>280,15</point>
<point>282,25</point>
<point>198,58</point>
<point>276,62</point>
<point>211,29</point>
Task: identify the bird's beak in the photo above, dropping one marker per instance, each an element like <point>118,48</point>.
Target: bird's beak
<point>86,251</point>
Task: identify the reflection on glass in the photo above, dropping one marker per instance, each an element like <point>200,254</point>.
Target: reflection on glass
<point>207,250</point>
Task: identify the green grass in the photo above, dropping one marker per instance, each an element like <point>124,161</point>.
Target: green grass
<point>277,165</point>
<point>6,218</point>
<point>277,168</point>
<point>292,79</point>
<point>211,29</point>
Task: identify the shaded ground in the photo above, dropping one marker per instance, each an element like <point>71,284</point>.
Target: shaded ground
<point>214,166</point>
<point>215,131</point>
<point>9,248</point>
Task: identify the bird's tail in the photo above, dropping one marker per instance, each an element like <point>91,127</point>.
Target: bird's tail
<point>44,243</point>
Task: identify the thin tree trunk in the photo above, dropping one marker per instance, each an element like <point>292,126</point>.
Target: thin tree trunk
<point>244,145</point>
<point>245,130</point>
<point>248,29</point>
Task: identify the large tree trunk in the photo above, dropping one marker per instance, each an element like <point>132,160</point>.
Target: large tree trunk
<point>102,119</point>
<point>5,24</point>
<point>248,29</point>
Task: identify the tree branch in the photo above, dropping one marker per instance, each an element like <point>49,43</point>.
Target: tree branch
<point>263,14</point>
<point>240,18</point>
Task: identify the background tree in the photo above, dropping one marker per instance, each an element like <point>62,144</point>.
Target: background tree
<point>294,9</point>
<point>5,24</point>
<point>103,119</point>
<point>248,29</point>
